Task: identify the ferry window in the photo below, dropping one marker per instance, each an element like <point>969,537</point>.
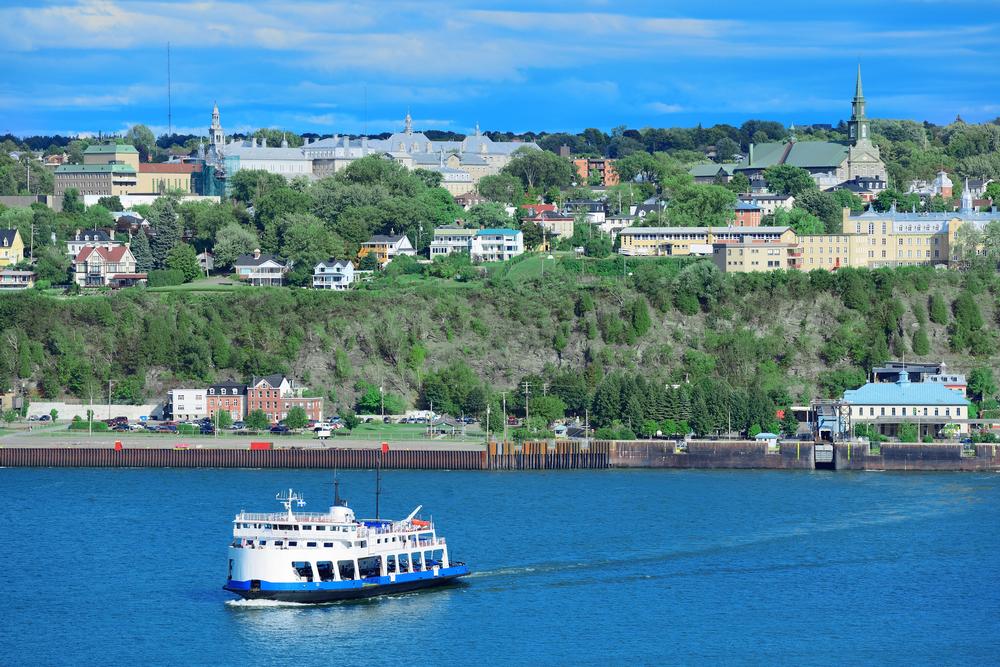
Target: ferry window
<point>325,570</point>
<point>328,544</point>
<point>417,561</point>
<point>346,568</point>
<point>364,543</point>
<point>303,569</point>
<point>404,562</point>
<point>307,527</point>
<point>279,543</point>
<point>293,544</point>
<point>310,544</point>
<point>390,564</point>
<point>370,567</point>
<point>320,527</point>
<point>263,543</point>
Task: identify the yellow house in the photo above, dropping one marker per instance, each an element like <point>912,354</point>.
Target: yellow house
<point>11,247</point>
<point>754,257</point>
<point>158,178</point>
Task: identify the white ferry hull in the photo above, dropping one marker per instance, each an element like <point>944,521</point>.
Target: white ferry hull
<point>332,591</point>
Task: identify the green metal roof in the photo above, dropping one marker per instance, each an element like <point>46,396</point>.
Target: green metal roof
<point>805,154</point>
<point>111,148</point>
<point>711,169</point>
<point>95,168</point>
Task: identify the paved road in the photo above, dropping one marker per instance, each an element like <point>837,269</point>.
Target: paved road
<point>60,437</point>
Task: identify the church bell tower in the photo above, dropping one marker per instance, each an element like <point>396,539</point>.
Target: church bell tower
<point>857,127</point>
<point>215,131</point>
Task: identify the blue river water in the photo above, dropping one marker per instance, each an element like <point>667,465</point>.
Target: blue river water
<point>125,567</point>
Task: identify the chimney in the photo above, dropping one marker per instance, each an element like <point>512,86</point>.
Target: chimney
<point>263,142</point>
<point>256,253</point>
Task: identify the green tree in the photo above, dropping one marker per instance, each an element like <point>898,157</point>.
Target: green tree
<point>702,206</point>
<point>538,168</point>
<point>907,432</point>
<point>306,242</point>
<point>248,185</point>
<point>257,420</point>
<point>921,344</point>
<point>982,384</point>
<point>799,220</point>
<point>296,418</point>
<point>488,216</point>
<point>232,241</point>
<point>937,309</point>
<point>166,229</point>
<point>113,203</point>
<point>71,203</point>
<point>52,265</point>
<point>739,183</point>
<point>503,188</point>
<point>369,263</point>
<point>141,251</point>
<point>640,166</point>
<point>183,258</point>
<point>548,407</point>
<point>53,414</point>
<point>788,180</point>
<point>144,141</point>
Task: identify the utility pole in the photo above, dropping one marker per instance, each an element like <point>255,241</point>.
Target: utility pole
<point>487,424</point>
<point>526,392</point>
<point>109,398</point>
<point>503,394</point>
<point>381,397</point>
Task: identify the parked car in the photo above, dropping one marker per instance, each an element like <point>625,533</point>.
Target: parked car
<point>280,429</point>
<point>44,418</point>
<point>167,428</point>
<point>207,429</point>
<point>238,426</point>
<point>121,428</point>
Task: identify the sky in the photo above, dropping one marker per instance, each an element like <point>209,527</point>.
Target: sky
<point>88,66</point>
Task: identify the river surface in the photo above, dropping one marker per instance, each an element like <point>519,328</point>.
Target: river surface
<point>125,567</point>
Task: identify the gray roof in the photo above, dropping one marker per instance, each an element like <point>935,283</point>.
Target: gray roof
<point>248,152</point>
<point>95,235</point>
<point>250,260</point>
<point>334,263</point>
<point>275,379</point>
<point>7,236</point>
<point>382,238</point>
<point>240,388</point>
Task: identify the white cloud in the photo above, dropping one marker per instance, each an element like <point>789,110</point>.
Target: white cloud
<point>663,107</point>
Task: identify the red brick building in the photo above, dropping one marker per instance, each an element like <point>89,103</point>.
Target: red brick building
<point>275,395</point>
<point>748,214</point>
<point>230,397</point>
<point>599,171</point>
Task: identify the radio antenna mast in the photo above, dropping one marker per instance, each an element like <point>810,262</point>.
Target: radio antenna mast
<point>170,116</point>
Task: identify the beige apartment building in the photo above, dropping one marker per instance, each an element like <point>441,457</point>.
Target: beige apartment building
<point>681,241</point>
<point>109,169</point>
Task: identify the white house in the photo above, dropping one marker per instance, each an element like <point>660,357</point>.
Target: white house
<point>86,237</point>
<point>496,245</point>
<point>927,405</point>
<point>386,248</point>
<point>335,274</point>
<point>260,270</point>
<point>188,404</point>
<point>451,238</point>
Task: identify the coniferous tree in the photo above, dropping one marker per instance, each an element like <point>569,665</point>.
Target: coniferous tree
<point>164,223</point>
<point>143,255</point>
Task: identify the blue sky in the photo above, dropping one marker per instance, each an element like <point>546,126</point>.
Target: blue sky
<point>100,65</point>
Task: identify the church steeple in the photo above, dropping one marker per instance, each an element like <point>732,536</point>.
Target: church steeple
<point>857,127</point>
<point>215,131</point>
<point>408,123</point>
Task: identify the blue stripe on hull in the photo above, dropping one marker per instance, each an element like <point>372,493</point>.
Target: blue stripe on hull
<point>323,591</point>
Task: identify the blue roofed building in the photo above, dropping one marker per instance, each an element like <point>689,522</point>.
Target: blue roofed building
<point>928,405</point>
<point>496,245</point>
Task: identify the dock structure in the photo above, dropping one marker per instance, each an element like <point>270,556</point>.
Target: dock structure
<point>557,455</point>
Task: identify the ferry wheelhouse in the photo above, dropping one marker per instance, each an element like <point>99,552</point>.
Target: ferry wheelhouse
<point>323,557</point>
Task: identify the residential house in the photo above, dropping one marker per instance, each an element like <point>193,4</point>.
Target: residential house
<point>595,209</point>
<point>228,397</point>
<point>554,223</point>
<point>206,260</point>
<point>15,280</point>
<point>275,396</point>
<point>106,266</point>
<point>386,248</point>
<point>929,406</point>
<point>88,237</point>
<point>188,404</point>
<point>496,245</point>
<point>11,247</point>
<point>941,186</point>
<point>449,239</point>
<point>260,270</point>
<point>335,274</point>
<point>747,214</point>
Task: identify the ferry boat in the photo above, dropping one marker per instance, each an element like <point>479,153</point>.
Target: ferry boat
<point>324,557</point>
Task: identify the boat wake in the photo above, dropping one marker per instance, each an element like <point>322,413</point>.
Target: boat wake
<point>265,604</point>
